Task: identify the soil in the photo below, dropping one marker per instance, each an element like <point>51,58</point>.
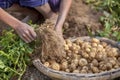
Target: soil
<point>80,20</point>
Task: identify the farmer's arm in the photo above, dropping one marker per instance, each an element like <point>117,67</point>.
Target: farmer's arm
<point>24,31</point>
<point>64,8</point>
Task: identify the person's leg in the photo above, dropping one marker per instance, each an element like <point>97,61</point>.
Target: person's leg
<point>47,12</point>
<point>45,7</point>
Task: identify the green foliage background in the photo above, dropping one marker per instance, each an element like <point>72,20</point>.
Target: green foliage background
<point>111,18</point>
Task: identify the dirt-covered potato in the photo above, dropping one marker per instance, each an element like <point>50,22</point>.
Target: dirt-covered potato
<point>64,65</point>
<point>78,41</point>
<point>46,64</point>
<point>67,70</point>
<point>94,40</point>
<point>66,47</point>
<point>95,62</point>
<point>93,56</point>
<point>76,71</point>
<point>83,71</point>
<point>55,66</point>
<point>72,66</point>
<point>83,62</point>
<point>85,55</point>
<point>94,44</point>
<point>95,70</point>
<point>75,61</point>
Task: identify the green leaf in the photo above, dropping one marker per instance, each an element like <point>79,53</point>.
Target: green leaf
<point>2,66</point>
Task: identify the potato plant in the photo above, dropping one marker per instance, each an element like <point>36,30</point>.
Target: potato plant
<point>14,56</point>
<point>92,56</point>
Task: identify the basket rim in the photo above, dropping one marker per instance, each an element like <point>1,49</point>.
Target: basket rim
<point>77,74</point>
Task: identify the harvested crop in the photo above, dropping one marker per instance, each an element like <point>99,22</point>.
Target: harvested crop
<point>93,56</point>
<point>55,66</point>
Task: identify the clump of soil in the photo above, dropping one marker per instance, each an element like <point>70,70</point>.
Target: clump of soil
<point>52,45</point>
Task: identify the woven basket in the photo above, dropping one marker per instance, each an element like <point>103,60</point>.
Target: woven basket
<point>59,75</point>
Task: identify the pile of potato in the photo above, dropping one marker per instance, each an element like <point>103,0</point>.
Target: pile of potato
<point>92,56</point>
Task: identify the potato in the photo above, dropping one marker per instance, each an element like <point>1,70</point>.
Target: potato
<point>95,70</point>
<point>110,54</point>
<point>78,41</point>
<point>87,50</point>
<point>109,66</point>
<point>46,64</point>
<point>83,71</point>
<point>75,61</point>
<point>66,47</point>
<point>69,45</point>
<point>83,62</point>
<point>76,71</point>
<point>99,56</point>
<point>104,44</point>
<point>73,48</point>
<point>55,66</point>
<point>103,67</point>
<point>115,52</point>
<point>68,41</point>
<point>94,44</point>
<point>76,52</point>
<point>94,40</point>
<point>78,47</point>
<point>92,54</point>
<point>116,66</point>
<point>85,44</point>
<point>85,55</point>
<point>94,50</point>
<point>76,56</point>
<point>112,61</point>
<point>85,68</point>
<point>68,51</point>
<point>67,70</point>
<point>72,66</point>
<point>99,47</point>
<point>95,62</point>
<point>64,65</point>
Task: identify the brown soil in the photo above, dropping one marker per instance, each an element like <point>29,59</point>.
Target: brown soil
<point>81,18</point>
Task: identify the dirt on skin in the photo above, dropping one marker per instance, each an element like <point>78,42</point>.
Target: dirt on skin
<point>81,19</point>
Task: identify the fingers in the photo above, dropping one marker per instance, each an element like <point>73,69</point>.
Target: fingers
<point>26,32</point>
<point>23,37</point>
<point>32,33</point>
<point>28,35</point>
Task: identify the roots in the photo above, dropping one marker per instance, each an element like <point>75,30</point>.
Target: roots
<point>52,45</point>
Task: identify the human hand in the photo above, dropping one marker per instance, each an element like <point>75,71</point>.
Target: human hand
<point>60,33</point>
<point>25,32</point>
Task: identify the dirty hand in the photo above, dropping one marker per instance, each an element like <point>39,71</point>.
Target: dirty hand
<point>60,33</point>
<point>25,32</point>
